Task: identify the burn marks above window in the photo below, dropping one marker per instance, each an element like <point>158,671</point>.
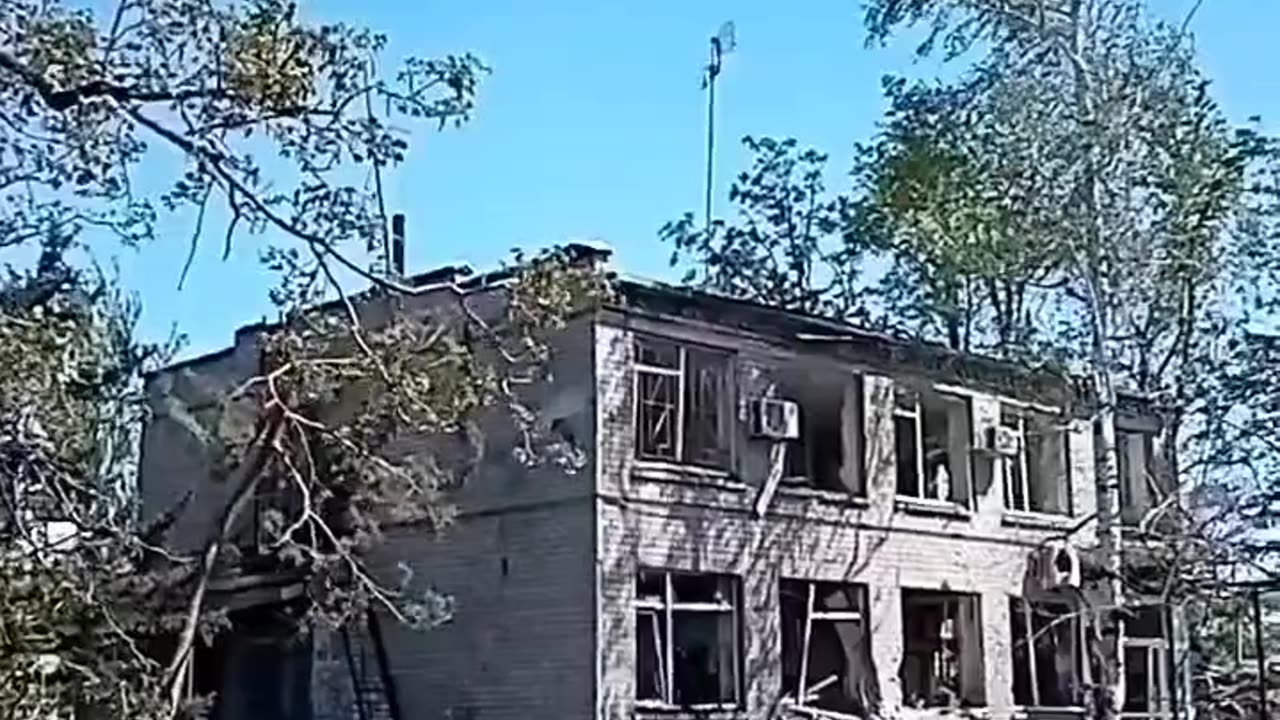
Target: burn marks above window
<point>827,450</point>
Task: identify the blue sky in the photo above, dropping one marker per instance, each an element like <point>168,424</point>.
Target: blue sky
<point>592,127</point>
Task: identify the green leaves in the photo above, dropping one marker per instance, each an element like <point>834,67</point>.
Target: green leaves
<point>786,246</point>
<point>69,423</point>
<point>961,195</point>
<point>1082,172</point>
<point>220,86</point>
<point>384,411</point>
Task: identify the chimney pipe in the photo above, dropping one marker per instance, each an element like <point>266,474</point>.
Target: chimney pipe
<point>397,245</point>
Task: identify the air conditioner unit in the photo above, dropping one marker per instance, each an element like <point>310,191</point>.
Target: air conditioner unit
<point>776,418</point>
<point>1002,440</point>
<point>1057,565</point>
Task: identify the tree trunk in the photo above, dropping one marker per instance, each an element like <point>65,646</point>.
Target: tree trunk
<point>1111,673</point>
<point>1110,545</point>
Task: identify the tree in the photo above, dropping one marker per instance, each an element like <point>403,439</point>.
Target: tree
<point>1075,199</point>
<point>959,193</point>
<point>288,127</point>
<point>70,417</point>
<point>787,245</point>
<point>1158,217</point>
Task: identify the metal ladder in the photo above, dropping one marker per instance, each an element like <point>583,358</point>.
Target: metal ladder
<point>373,687</point>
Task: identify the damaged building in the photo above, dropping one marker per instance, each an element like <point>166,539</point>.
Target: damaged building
<point>779,516</point>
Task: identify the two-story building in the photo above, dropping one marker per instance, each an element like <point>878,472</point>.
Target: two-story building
<point>779,515</point>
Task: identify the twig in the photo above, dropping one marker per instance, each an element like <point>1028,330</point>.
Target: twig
<point>195,236</point>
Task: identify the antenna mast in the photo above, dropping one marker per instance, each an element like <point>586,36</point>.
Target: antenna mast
<point>722,43</point>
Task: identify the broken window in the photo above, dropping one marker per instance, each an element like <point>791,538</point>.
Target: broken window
<point>825,642</point>
<point>275,503</point>
<point>830,429</point>
<point>1048,676</point>
<point>931,443</point>
<point>942,650</point>
<point>1147,683</point>
<point>1038,477</point>
<point>686,639</point>
<point>682,403</point>
<point>260,669</point>
<point>1139,491</point>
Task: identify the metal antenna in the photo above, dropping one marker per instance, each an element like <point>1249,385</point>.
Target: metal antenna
<point>722,43</point>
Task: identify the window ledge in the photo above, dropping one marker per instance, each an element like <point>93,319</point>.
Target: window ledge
<point>1036,521</point>
<point>924,506</point>
<point>835,497</point>
<point>686,475</point>
<point>912,713</point>
<point>661,709</point>
<point>1033,712</point>
<point>789,704</point>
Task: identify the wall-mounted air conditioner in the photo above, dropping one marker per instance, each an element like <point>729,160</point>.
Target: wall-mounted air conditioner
<point>775,418</point>
<point>1002,440</point>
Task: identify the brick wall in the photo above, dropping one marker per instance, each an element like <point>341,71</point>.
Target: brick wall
<point>519,644</point>
<point>517,564</point>
<point>176,459</point>
<point>661,517</point>
<point>541,565</point>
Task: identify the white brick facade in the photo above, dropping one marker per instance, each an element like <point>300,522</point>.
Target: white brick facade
<point>659,517</point>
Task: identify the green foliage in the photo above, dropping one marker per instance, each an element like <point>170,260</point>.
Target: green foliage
<point>987,183</point>
<point>962,190</point>
<point>1152,235</point>
<point>1075,198</point>
<point>288,126</point>
<point>72,606</point>
<point>344,396</point>
<point>61,647</point>
<point>786,246</point>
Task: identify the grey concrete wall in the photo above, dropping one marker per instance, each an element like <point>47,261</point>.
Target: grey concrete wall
<point>669,517</point>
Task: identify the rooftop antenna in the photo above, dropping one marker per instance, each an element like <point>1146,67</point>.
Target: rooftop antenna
<point>722,43</point>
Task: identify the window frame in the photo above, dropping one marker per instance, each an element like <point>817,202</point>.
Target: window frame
<point>813,615</point>
<point>948,599</point>
<point>667,607</point>
<point>916,415</point>
<point>917,425</point>
<point>1160,667</point>
<point>680,375</point>
<point>1024,465</point>
<point>1132,481</point>
<point>801,450</point>
<point>1024,609</point>
<point>1024,480</point>
<point>1159,682</point>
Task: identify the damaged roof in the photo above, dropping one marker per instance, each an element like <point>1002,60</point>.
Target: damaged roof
<point>808,333</point>
<point>844,340</point>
